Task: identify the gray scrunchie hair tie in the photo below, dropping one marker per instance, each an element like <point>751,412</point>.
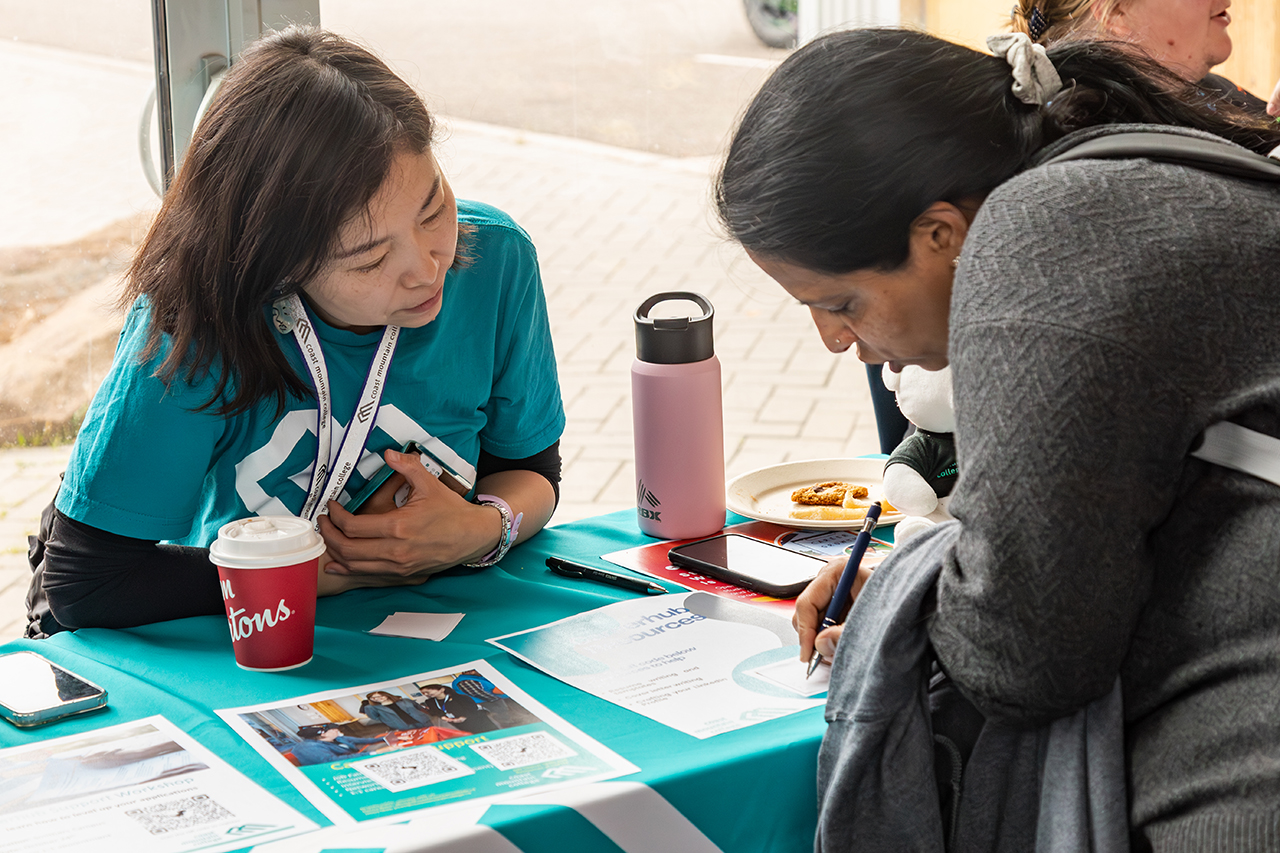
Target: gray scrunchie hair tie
<point>1035,80</point>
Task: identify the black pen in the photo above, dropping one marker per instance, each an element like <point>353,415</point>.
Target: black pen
<point>847,577</point>
<point>574,570</point>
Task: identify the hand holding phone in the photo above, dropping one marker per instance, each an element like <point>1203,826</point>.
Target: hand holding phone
<point>389,489</point>
<point>35,690</point>
<point>404,544</point>
<point>749,563</point>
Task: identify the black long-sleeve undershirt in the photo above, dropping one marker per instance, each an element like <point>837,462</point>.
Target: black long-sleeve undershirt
<point>104,580</point>
<point>546,463</point>
<point>97,579</point>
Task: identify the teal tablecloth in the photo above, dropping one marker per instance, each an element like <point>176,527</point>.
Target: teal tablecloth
<point>747,790</point>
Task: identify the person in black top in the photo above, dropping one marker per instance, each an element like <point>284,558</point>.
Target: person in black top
<point>455,710</point>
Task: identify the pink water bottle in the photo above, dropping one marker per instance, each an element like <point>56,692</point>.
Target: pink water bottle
<point>679,422</point>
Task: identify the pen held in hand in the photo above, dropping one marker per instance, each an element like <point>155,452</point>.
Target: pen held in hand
<point>567,569</point>
<point>840,598</point>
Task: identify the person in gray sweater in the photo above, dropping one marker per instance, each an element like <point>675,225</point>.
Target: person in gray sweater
<point>1098,316</point>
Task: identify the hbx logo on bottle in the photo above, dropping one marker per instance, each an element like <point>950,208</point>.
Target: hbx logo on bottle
<point>644,496</point>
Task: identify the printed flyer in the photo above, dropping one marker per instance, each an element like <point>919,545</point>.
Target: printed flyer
<point>144,786</point>
<point>652,559</point>
<point>457,736</point>
<point>693,661</point>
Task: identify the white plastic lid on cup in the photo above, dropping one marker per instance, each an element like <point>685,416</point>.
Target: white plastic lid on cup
<point>265,542</point>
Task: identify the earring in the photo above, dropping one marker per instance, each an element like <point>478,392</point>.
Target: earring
<point>955,262</point>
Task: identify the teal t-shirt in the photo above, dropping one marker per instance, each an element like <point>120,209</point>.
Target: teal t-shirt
<point>482,374</point>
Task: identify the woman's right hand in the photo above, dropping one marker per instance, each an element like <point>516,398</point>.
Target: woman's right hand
<point>331,584</point>
<point>812,606</point>
<point>434,530</point>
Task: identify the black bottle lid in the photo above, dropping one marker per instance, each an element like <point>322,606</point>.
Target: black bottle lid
<point>674,340</point>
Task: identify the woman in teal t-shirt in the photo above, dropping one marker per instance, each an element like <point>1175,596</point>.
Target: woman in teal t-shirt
<point>310,298</point>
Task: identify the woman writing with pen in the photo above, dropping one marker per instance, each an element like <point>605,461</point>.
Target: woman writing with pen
<point>1100,318</point>
<point>851,577</point>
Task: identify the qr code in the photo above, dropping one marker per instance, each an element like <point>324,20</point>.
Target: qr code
<point>522,750</point>
<point>173,815</point>
<point>402,770</point>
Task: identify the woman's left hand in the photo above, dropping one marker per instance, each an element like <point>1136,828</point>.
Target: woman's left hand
<point>815,601</point>
<point>434,530</point>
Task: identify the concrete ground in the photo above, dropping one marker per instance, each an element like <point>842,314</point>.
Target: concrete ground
<point>612,227</point>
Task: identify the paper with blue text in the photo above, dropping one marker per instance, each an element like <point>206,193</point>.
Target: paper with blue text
<point>687,660</point>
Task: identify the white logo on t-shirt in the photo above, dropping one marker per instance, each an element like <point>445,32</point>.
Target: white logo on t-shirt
<point>298,427</point>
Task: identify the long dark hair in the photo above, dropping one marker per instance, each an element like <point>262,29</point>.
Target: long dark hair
<point>859,131</point>
<point>297,141</point>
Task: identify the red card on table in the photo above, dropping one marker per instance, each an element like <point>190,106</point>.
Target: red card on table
<point>652,559</point>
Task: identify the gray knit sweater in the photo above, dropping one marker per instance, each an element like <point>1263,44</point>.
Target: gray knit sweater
<point>1104,313</point>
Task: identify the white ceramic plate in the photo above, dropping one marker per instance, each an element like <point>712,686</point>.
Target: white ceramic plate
<point>765,494</point>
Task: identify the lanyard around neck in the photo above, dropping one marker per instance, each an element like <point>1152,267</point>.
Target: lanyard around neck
<point>333,468</point>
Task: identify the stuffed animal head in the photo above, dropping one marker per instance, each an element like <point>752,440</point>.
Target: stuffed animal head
<point>924,396</point>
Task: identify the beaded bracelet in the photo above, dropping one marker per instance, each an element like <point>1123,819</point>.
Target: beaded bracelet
<point>510,529</point>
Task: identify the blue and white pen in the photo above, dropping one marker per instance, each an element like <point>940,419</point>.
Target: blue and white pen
<point>835,608</point>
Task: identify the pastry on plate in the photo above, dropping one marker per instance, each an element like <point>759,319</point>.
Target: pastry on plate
<point>830,493</point>
<point>829,513</point>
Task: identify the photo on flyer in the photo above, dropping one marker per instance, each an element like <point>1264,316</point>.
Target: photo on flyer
<point>145,785</point>
<point>459,735</point>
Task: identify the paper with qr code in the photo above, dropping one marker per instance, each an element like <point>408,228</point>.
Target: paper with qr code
<point>411,769</point>
<point>146,785</point>
<point>449,738</point>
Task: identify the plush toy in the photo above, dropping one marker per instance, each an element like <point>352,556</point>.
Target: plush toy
<point>922,469</point>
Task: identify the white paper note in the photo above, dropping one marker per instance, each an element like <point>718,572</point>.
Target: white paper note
<point>422,626</point>
<point>793,675</point>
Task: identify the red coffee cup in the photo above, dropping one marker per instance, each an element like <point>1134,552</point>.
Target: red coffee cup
<point>267,568</point>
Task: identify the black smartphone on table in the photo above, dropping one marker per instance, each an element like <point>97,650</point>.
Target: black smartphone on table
<point>750,563</point>
<point>35,690</point>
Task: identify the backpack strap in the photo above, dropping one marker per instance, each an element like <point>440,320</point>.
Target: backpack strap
<point>1196,152</point>
<point>1241,449</point>
<point>1227,444</point>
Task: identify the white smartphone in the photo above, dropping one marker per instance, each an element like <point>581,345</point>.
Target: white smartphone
<point>750,563</point>
<point>35,690</point>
